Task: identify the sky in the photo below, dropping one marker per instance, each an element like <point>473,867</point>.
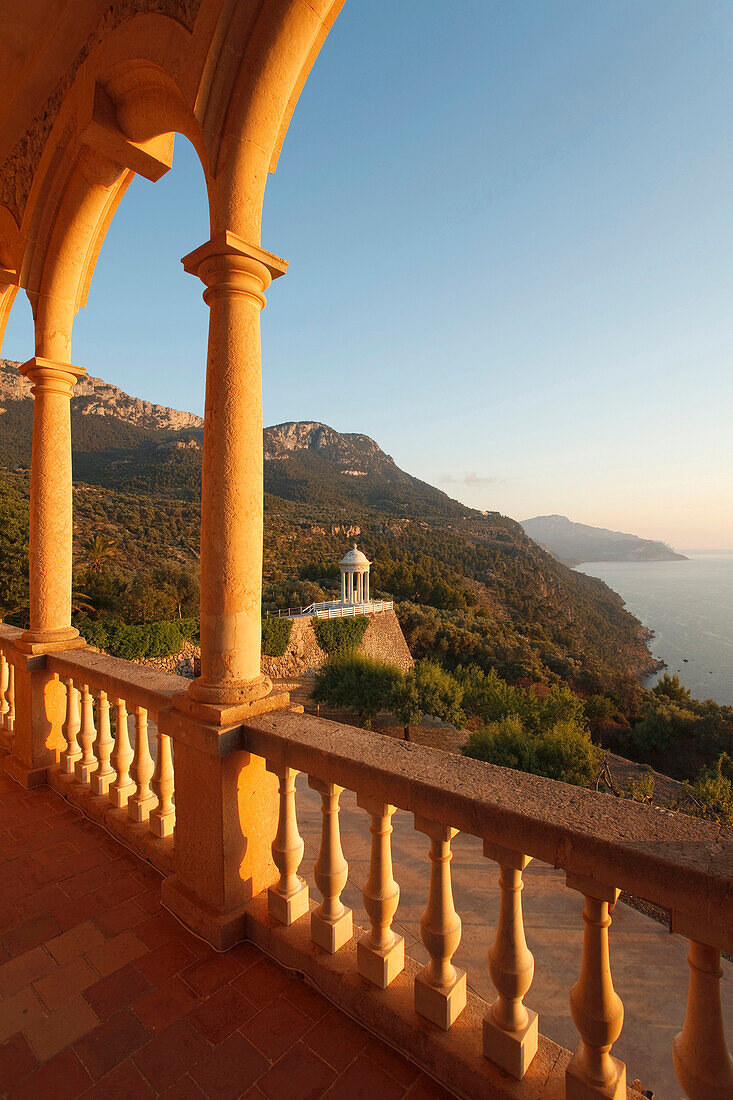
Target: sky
<point>509,234</point>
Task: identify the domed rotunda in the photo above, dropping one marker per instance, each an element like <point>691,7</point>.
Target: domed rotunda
<point>354,577</point>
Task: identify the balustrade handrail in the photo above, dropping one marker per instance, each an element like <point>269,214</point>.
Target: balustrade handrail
<point>137,685</point>
<point>680,863</point>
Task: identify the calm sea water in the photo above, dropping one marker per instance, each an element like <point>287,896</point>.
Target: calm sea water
<point>689,606</point>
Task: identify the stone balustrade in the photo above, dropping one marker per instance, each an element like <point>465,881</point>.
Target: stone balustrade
<point>604,845</point>
<point>113,760</point>
<point>7,694</point>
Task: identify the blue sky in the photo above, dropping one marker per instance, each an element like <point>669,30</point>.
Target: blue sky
<point>508,227</point>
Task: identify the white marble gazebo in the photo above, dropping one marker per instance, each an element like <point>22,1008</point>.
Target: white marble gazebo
<point>354,577</point>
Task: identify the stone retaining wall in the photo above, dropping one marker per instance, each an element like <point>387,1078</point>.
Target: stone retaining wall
<point>383,639</point>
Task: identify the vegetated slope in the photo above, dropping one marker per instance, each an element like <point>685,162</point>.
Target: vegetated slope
<point>471,586</point>
<point>577,542</point>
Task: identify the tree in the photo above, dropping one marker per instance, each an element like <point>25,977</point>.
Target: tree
<point>98,551</point>
<point>362,684</point>
<point>671,688</point>
<point>439,693</point>
<point>406,702</point>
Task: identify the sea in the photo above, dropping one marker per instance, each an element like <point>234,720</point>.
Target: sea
<point>689,606</point>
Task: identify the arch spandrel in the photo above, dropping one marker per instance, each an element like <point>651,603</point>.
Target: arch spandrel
<point>225,73</point>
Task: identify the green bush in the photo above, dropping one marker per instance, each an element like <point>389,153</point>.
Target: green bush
<point>563,751</point>
<point>275,636</point>
<point>339,637</point>
<point>136,641</point>
<point>711,795</point>
<point>362,684</point>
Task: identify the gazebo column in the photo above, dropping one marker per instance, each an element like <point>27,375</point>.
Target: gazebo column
<point>40,703</point>
<point>226,801</point>
<point>366,583</point>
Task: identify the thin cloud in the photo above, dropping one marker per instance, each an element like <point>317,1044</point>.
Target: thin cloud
<point>473,479</point>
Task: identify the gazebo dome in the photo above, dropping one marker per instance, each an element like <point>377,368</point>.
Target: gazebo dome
<point>355,557</point>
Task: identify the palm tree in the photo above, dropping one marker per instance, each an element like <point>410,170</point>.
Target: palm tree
<point>98,551</point>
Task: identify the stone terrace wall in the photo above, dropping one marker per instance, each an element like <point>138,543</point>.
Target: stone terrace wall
<point>383,639</point>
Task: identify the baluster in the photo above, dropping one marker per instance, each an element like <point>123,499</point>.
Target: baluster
<point>10,716</point>
<point>4,685</point>
<point>440,987</point>
<point>380,953</point>
<point>331,923</point>
<point>702,1063</point>
<point>104,775</point>
<point>287,900</point>
<point>122,755</point>
<point>70,729</point>
<point>87,762</point>
<point>163,817</point>
<point>595,1006</point>
<point>143,800</point>
<point>510,1028</point>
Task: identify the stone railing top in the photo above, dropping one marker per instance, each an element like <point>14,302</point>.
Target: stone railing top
<point>8,634</point>
<point>137,685</point>
<point>680,863</point>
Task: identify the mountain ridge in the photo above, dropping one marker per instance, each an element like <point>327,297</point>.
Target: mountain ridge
<point>574,543</point>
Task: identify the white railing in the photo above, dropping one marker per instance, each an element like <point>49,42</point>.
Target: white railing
<point>331,609</point>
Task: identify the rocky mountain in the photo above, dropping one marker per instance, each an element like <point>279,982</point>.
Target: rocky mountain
<point>95,397</point>
<point>577,542</point>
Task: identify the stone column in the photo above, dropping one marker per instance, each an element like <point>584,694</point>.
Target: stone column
<point>343,588</point>
<point>41,698</point>
<point>236,275</point>
<point>51,524</point>
<point>366,582</point>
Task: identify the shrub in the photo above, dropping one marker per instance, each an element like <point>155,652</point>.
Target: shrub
<point>339,637</point>
<point>564,751</point>
<point>711,795</point>
<point>136,641</point>
<point>362,684</point>
<point>641,789</point>
<point>276,636</point>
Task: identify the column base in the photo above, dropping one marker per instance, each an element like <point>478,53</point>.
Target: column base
<point>101,784</point>
<point>288,910</point>
<point>331,935</point>
<point>120,796</point>
<point>511,1051</point>
<point>84,772</point>
<point>163,825</point>
<point>49,641</point>
<point>138,809</point>
<point>578,1088</point>
<point>67,764</point>
<point>231,693</point>
<point>221,930</point>
<point>380,967</point>
<point>21,773</point>
<point>441,1006</point>
<point>229,714</point>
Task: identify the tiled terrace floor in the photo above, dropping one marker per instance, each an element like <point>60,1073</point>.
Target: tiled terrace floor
<point>103,994</point>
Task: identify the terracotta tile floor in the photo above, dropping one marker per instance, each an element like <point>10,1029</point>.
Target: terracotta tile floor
<point>103,994</point>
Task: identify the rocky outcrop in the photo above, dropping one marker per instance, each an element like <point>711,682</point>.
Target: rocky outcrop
<point>95,397</point>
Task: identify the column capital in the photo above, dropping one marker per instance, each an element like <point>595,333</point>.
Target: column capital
<point>226,253</point>
<point>51,375</point>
